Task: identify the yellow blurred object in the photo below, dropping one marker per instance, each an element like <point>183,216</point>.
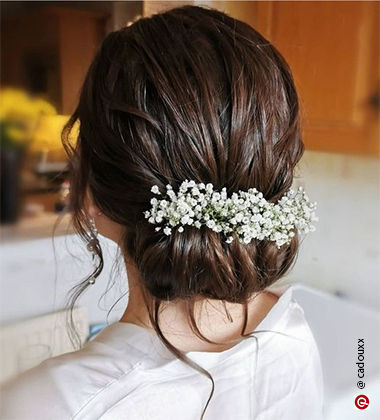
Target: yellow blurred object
<point>46,139</point>
<point>16,103</point>
<point>47,135</point>
<point>20,113</point>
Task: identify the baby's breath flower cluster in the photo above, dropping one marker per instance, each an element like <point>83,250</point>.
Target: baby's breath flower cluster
<point>246,213</point>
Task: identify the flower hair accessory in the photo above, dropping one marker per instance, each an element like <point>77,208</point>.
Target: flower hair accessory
<point>246,213</point>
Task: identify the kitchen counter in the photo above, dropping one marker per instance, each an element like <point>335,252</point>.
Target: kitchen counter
<point>35,227</point>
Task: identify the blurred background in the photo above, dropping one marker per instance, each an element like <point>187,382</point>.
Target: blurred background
<point>333,50</point>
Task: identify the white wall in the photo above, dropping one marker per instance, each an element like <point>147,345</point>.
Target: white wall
<point>341,256</point>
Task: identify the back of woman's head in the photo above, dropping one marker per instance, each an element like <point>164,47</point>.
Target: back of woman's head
<point>187,94</point>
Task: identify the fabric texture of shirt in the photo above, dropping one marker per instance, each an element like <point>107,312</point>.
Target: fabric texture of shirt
<point>125,372</point>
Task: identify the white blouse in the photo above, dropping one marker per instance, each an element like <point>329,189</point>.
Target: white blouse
<point>126,373</point>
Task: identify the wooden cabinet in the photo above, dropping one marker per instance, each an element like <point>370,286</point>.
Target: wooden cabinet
<point>333,50</point>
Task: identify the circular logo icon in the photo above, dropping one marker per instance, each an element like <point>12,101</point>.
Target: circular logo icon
<point>361,402</point>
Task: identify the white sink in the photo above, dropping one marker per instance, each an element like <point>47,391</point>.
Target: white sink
<point>337,324</point>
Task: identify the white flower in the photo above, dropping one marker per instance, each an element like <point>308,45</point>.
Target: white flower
<point>167,230</point>
<point>193,202</point>
<point>239,217</point>
<point>210,223</point>
<point>185,219</point>
<point>164,204</point>
<point>171,194</point>
<point>209,187</point>
<point>180,229</point>
<point>155,189</point>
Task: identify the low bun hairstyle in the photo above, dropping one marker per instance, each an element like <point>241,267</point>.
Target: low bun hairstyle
<point>190,93</point>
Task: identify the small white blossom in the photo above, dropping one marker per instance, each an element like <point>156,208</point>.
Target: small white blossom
<point>171,194</point>
<point>210,223</point>
<point>164,204</point>
<point>209,187</point>
<point>239,217</point>
<point>167,231</point>
<point>155,189</point>
<point>185,219</point>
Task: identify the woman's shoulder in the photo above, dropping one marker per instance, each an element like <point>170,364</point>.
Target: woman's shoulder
<point>60,387</point>
<point>287,339</point>
<point>291,367</point>
<point>287,321</point>
<point>296,332</point>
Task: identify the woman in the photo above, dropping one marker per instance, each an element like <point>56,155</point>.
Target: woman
<point>189,137</point>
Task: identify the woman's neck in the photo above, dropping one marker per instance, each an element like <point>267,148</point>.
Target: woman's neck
<point>210,315</point>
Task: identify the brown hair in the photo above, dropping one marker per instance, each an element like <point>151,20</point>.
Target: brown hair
<point>190,93</point>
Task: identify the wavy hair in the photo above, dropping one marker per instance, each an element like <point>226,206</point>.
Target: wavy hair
<point>190,93</point>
